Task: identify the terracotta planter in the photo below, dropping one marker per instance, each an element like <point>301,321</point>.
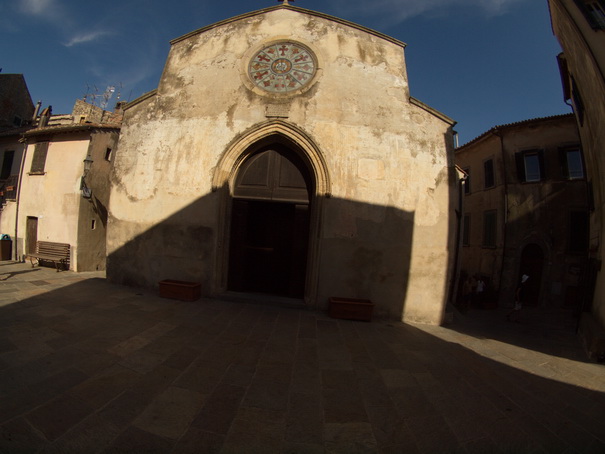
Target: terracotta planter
<point>180,290</point>
<point>350,308</point>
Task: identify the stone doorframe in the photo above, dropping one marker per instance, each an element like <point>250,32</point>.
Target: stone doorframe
<point>223,182</point>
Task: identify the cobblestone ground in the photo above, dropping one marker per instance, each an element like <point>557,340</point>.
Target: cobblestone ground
<point>87,367</point>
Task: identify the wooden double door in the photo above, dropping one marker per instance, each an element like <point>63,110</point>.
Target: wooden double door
<point>270,225</point>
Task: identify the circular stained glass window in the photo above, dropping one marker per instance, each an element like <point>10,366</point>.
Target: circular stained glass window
<point>282,67</point>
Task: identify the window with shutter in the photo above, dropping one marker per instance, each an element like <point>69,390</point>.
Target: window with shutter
<point>594,11</point>
<point>466,230</point>
<point>467,181</point>
<point>7,164</point>
<point>489,228</point>
<point>572,163</point>
<point>39,159</point>
<point>488,168</point>
<point>530,166</point>
<point>578,102</point>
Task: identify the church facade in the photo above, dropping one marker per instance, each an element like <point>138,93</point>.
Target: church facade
<point>282,157</point>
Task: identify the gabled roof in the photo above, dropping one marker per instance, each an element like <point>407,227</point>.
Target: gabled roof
<point>70,128</point>
<point>293,8</point>
<point>513,125</point>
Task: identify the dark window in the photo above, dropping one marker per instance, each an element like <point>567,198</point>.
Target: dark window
<point>594,10</point>
<point>17,121</point>
<point>572,164</point>
<point>39,159</point>
<point>489,228</point>
<point>590,191</point>
<point>578,231</point>
<point>466,230</point>
<point>488,167</point>
<point>108,154</point>
<point>467,181</point>
<point>577,101</point>
<point>530,166</point>
<point>7,164</point>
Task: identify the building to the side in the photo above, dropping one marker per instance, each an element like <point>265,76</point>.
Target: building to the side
<point>281,156</point>
<point>579,26</point>
<point>525,211</point>
<point>61,189</point>
<point>16,106</point>
<point>17,114</point>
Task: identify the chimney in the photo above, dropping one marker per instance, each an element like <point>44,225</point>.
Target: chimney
<point>45,116</point>
<point>36,110</point>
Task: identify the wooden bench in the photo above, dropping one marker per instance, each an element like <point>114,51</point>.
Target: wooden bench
<point>47,251</point>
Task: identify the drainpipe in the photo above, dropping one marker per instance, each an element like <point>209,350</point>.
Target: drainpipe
<point>22,140</point>
<point>505,200</point>
<point>460,217</point>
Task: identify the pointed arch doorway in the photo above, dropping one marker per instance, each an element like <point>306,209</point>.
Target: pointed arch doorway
<point>270,218</point>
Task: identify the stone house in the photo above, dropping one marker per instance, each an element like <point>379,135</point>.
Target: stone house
<point>525,211</point>
<point>56,198</point>
<point>282,155</point>
<point>16,116</point>
<point>579,26</point>
<point>16,106</point>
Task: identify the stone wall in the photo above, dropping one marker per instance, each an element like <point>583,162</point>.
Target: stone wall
<point>382,220</point>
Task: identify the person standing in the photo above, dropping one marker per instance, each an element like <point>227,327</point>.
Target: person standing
<point>467,294</point>
<point>515,314</point>
<point>479,291</point>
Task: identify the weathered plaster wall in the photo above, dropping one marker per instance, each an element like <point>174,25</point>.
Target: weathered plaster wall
<point>476,259</point>
<point>584,50</point>
<point>92,218</point>
<point>385,231</point>
<point>57,215</point>
<point>527,213</point>
<point>8,212</point>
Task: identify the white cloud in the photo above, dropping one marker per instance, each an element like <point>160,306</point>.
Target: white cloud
<point>86,37</point>
<point>37,7</point>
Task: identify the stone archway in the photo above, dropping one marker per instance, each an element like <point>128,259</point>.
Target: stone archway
<point>270,224</point>
<point>299,149</point>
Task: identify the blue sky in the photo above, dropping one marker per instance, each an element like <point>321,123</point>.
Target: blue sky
<point>481,62</point>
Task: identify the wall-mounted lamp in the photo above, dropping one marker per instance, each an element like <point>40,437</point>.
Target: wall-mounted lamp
<point>87,164</point>
<point>86,191</point>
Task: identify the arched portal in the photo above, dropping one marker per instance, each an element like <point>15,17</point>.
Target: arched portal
<point>532,264</point>
<point>301,151</point>
<point>270,224</point>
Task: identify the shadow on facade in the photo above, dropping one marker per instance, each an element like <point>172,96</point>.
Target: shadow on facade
<point>546,237</point>
<point>108,351</point>
<point>354,249</point>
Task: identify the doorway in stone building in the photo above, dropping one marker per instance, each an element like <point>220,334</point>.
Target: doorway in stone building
<point>532,264</point>
<point>270,214</point>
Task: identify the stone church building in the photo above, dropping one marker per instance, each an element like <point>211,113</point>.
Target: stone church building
<point>282,158</point>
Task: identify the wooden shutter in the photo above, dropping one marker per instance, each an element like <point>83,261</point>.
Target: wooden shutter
<point>592,20</point>
<point>563,161</point>
<point>39,159</point>
<point>7,164</point>
<point>488,171</point>
<point>542,166</point>
<point>520,161</point>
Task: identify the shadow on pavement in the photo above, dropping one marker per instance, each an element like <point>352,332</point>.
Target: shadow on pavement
<point>551,331</point>
<point>95,366</point>
<point>10,274</point>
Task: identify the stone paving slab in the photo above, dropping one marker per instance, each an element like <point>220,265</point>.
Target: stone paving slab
<point>91,367</point>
